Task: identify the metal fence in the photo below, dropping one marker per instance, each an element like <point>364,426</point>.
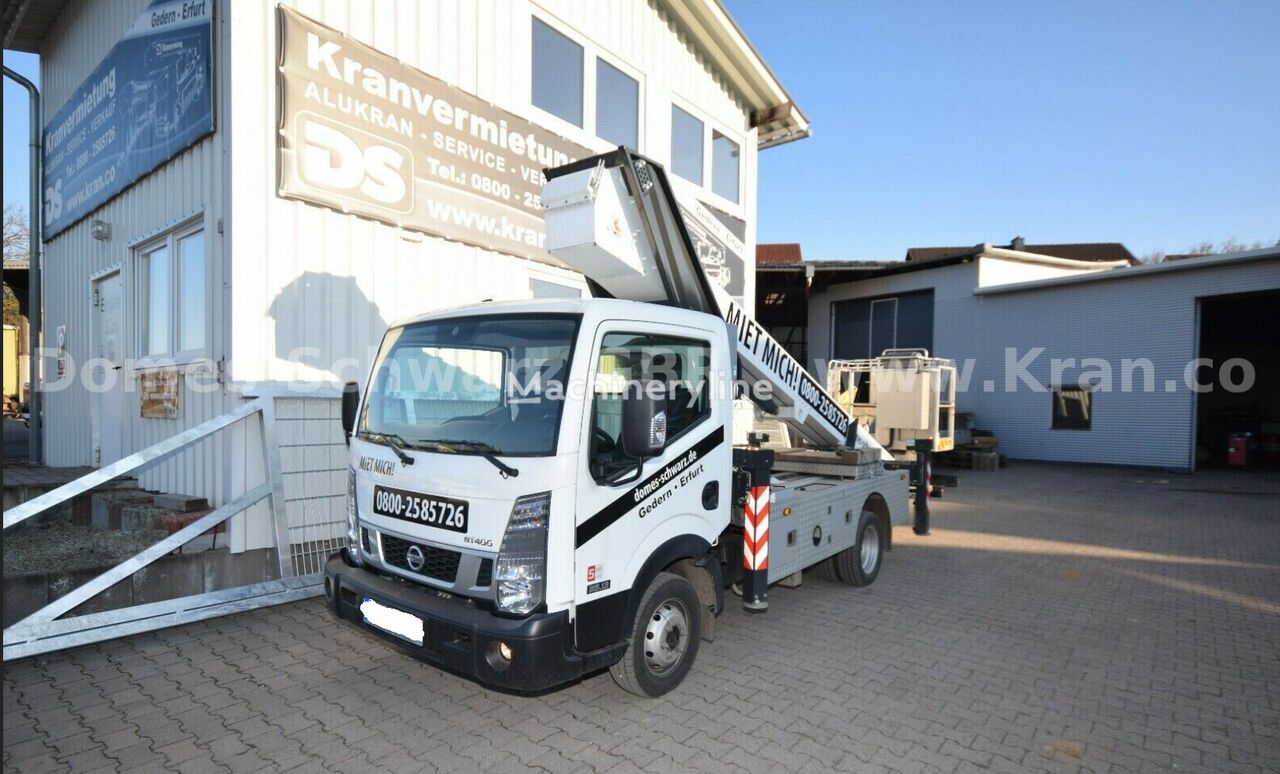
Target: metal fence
<point>301,542</point>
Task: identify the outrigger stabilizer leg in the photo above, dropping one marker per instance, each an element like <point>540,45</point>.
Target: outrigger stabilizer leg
<point>757,464</point>
<point>924,450</point>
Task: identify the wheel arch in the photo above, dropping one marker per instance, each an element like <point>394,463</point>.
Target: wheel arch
<point>606,621</point>
<point>876,504</point>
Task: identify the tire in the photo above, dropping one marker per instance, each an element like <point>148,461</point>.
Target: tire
<point>826,569</point>
<point>856,566</point>
<point>669,615</point>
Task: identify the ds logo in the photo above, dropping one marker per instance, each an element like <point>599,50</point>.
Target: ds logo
<point>354,163</point>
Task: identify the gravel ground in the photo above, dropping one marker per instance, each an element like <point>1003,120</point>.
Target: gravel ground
<point>63,547</point>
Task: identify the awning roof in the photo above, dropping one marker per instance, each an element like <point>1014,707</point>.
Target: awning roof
<point>26,23</point>
<point>773,113</point>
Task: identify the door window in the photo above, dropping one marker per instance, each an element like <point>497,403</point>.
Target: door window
<point>632,363</point>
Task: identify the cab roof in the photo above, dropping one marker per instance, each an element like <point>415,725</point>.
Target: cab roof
<point>598,308</point>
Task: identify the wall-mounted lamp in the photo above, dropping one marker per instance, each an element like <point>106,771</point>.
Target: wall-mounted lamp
<point>100,229</point>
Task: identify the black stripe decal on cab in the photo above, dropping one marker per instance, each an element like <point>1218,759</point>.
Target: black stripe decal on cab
<point>635,497</point>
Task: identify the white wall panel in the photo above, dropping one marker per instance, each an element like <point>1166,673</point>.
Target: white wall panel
<point>189,185</point>
<point>294,288</point>
<point>306,275</point>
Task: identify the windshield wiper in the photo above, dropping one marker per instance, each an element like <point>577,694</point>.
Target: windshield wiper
<point>393,442</point>
<point>486,450</point>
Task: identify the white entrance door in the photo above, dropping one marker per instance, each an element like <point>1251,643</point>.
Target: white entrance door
<point>107,378</point>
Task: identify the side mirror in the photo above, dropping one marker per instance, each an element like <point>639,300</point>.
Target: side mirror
<point>644,425</point>
<point>350,402</point>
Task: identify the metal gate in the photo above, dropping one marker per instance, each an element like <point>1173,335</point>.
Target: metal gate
<point>46,630</point>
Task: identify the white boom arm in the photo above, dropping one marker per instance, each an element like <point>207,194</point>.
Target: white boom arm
<point>615,219</point>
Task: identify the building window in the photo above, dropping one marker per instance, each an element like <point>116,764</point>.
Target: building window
<point>1072,408</point>
<point>617,106</point>
<point>155,299</point>
<point>191,293</point>
<point>724,166</point>
<point>686,145</point>
<point>557,73</point>
<point>172,297</point>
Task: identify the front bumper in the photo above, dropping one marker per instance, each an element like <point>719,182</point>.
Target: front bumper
<point>462,638</point>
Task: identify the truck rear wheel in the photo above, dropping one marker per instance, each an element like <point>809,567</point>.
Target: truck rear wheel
<point>859,564</point>
<point>664,638</point>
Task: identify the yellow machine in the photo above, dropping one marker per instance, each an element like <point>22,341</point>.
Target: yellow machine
<point>903,397</point>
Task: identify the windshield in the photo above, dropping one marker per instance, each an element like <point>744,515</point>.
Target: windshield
<point>472,385</point>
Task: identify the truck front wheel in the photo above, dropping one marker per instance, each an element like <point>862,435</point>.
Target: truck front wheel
<point>859,564</point>
<point>664,638</point>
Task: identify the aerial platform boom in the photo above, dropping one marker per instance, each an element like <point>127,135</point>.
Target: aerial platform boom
<point>615,219</point>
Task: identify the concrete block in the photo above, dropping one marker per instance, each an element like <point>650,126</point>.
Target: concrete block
<point>134,518</point>
<point>315,458</point>
<point>115,597</point>
<point>168,578</point>
<point>181,503</point>
<point>293,486</point>
<point>289,408</point>
<point>225,570</point>
<point>106,507</point>
<point>317,408</point>
<point>23,596</point>
<point>291,458</point>
<point>986,461</point>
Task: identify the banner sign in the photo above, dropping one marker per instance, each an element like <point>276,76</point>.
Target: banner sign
<point>150,98</point>
<point>159,393</point>
<point>364,133</point>
<point>717,237</point>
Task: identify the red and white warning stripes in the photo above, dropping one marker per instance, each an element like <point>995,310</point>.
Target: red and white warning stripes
<point>755,530</point>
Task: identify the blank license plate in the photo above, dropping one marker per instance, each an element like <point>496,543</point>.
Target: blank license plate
<point>397,622</point>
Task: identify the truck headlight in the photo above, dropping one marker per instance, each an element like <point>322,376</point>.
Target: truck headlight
<point>521,572</point>
<point>353,528</point>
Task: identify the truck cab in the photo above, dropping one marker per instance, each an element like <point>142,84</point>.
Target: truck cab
<point>521,472</point>
<point>539,490</point>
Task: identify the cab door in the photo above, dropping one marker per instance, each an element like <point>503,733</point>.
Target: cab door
<point>628,508</point>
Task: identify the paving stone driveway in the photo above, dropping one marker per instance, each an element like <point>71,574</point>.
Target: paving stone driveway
<point>1057,619</point>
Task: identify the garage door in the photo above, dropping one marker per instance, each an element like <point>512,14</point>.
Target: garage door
<point>865,327</point>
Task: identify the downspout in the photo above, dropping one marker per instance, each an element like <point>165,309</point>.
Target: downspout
<point>35,247</point>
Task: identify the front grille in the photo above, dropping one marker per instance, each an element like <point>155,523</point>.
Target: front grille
<point>440,563</point>
<point>485,576</point>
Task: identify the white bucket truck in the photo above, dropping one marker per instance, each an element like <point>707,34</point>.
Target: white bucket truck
<point>544,489</point>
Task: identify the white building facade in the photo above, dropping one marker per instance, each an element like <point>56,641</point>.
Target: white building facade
<point>360,162</point>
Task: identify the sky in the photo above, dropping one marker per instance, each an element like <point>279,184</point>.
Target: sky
<point>1152,123</point>
<point>1155,124</point>
<point>16,127</point>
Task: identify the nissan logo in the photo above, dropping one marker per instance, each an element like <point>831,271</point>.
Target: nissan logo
<point>415,558</point>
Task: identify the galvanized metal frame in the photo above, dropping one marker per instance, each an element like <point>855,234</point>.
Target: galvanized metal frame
<point>43,631</point>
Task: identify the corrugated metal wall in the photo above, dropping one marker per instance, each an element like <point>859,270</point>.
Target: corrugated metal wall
<point>1151,317</point>
<point>308,277</point>
<point>294,288</point>
<point>188,186</point>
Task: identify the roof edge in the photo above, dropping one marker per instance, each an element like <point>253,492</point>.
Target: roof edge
<point>1130,272</point>
<point>1047,260</point>
<point>772,110</point>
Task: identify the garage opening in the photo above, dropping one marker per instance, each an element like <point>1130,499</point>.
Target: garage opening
<point>1239,428</point>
